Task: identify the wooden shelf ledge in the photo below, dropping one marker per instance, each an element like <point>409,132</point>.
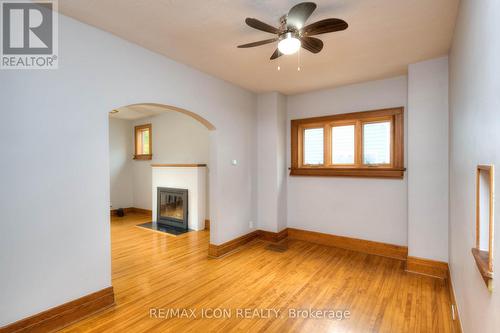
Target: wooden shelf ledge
<point>143,157</point>
<point>350,172</point>
<point>178,165</point>
<point>481,258</point>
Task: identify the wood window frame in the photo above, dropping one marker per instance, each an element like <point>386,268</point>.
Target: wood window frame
<point>393,170</point>
<point>137,154</point>
<point>484,259</point>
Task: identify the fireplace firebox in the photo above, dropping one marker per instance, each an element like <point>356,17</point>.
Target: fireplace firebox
<point>172,207</point>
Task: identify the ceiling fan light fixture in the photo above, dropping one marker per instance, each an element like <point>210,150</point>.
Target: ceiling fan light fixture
<point>289,44</point>
<point>293,32</point>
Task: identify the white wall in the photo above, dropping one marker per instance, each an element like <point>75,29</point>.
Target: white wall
<point>474,139</point>
<point>282,168</point>
<point>271,157</point>
<point>374,209</point>
<point>121,152</point>
<point>177,139</point>
<point>59,248</point>
<point>428,159</point>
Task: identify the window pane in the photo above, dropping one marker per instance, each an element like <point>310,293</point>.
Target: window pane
<point>145,142</point>
<point>343,144</point>
<point>484,208</point>
<point>313,146</point>
<point>377,143</point>
<point>138,142</point>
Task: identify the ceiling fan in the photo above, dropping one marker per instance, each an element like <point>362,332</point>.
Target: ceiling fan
<point>293,33</point>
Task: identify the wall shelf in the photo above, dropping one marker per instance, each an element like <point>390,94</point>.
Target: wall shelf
<point>178,165</point>
<point>481,258</point>
<point>485,198</point>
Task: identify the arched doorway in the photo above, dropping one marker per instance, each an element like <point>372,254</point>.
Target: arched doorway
<point>178,138</point>
<point>156,107</point>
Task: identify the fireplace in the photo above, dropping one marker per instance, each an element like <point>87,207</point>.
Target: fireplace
<point>172,207</point>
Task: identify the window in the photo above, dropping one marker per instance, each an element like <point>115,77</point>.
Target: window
<point>313,143</point>
<point>143,142</point>
<point>377,143</point>
<point>483,251</point>
<point>360,144</point>
<point>343,144</point>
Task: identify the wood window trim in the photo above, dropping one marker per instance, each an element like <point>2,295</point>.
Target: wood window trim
<point>484,259</point>
<point>395,169</point>
<point>138,156</point>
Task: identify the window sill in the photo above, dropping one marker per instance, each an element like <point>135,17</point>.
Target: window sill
<point>481,258</point>
<point>143,157</point>
<point>397,173</point>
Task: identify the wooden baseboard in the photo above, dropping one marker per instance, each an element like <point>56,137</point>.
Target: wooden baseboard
<point>359,245</point>
<point>207,224</point>
<point>353,244</point>
<point>133,210</point>
<point>456,323</point>
<point>65,314</point>
<point>428,267</point>
<point>127,210</point>
<point>273,236</point>
<point>217,251</point>
<point>141,211</point>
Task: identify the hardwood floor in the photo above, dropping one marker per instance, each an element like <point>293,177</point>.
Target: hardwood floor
<point>153,270</point>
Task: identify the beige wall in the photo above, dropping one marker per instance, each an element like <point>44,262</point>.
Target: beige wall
<point>120,168</point>
<point>428,159</point>
<point>365,208</point>
<point>62,157</point>
<point>474,139</point>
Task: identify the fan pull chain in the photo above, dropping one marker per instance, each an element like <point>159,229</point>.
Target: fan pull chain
<point>298,60</point>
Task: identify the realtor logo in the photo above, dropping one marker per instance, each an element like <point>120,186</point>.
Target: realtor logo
<point>29,35</point>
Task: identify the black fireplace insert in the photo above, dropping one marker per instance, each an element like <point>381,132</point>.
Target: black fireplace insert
<point>172,207</point>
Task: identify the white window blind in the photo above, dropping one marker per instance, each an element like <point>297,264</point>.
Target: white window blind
<point>343,144</point>
<point>313,146</point>
<point>377,143</point>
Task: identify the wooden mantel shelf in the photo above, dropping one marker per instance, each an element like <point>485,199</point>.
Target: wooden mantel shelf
<point>178,165</point>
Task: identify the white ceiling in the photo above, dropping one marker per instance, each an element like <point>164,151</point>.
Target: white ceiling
<point>383,37</point>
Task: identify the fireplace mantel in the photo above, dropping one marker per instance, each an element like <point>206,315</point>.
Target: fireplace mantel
<point>178,165</point>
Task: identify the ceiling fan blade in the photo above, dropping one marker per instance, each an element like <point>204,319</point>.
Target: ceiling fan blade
<point>262,42</point>
<point>276,54</point>
<point>324,26</point>
<point>259,25</point>
<point>312,44</point>
<point>298,15</point>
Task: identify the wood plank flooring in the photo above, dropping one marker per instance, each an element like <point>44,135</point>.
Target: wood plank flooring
<point>152,271</point>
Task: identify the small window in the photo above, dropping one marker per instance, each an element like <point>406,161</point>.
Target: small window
<point>360,144</point>
<point>343,145</point>
<point>377,143</point>
<point>143,142</point>
<point>313,146</point>
<point>483,250</point>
